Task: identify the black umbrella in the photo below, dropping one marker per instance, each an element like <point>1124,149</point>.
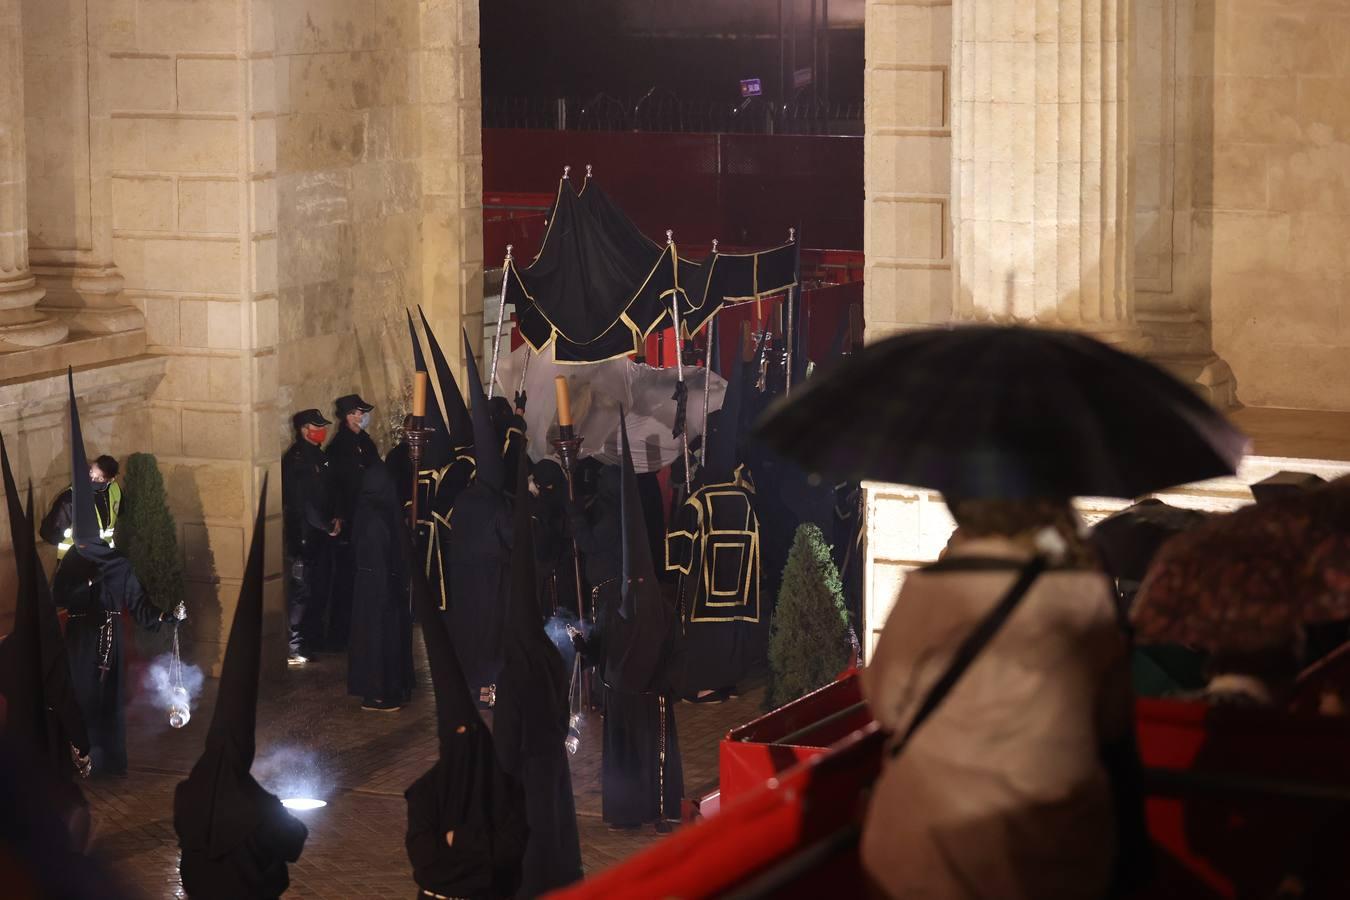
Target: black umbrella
<point>1129,540</point>
<point>1009,412</point>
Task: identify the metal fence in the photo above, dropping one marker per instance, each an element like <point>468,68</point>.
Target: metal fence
<point>663,111</point>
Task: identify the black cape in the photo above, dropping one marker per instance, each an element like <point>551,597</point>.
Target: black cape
<point>42,717</point>
<point>635,647</point>
<point>598,531</point>
<point>480,551</point>
<point>466,793</point>
<point>236,838</point>
<point>379,655</point>
<point>530,721</point>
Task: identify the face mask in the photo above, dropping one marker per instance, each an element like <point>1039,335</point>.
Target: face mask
<point>316,435</point>
<point>101,486</point>
<point>365,421</point>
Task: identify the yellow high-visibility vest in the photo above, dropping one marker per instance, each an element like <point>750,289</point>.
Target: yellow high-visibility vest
<point>105,529</point>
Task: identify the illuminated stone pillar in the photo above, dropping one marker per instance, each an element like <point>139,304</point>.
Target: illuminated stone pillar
<point>22,327</point>
<point>1042,208</point>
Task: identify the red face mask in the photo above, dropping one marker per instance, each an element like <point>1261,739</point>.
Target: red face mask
<point>316,435</point>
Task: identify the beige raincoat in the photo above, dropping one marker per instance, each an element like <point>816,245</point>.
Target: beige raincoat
<point>1000,794</point>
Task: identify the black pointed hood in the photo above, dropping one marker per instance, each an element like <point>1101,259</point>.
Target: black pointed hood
<point>528,647</point>
<point>456,413</point>
<point>455,708</point>
<point>438,448</point>
<point>637,636</point>
<point>639,573</point>
<point>236,711</point>
<point>42,714</point>
<point>487,446</point>
<point>524,617</point>
<point>220,805</point>
<point>467,789</point>
<point>85,526</point>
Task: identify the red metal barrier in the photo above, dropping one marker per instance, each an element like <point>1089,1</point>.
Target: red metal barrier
<point>1237,800</point>
<point>750,755</point>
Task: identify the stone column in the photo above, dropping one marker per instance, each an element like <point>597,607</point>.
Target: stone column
<point>1042,207</point>
<point>22,327</point>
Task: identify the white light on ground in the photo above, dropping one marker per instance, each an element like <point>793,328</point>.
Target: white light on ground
<point>303,803</point>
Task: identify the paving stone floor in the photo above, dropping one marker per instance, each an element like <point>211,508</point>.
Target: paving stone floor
<point>313,740</point>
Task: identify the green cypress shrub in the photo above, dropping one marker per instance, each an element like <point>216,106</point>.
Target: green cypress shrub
<point>809,638</point>
<point>147,535</point>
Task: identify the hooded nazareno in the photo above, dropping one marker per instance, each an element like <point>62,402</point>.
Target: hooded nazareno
<point>466,815</point>
<point>379,654</point>
<point>97,587</point>
<point>42,717</point>
<point>480,551</point>
<point>634,647</point>
<point>235,836</point>
<point>714,545</point>
<point>530,719</point>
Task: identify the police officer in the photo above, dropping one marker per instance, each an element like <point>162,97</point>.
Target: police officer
<point>309,527</point>
<point>55,528</point>
<point>350,452</point>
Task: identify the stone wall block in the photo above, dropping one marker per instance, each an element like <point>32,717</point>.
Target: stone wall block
<point>144,204</point>
<point>166,431</point>
<point>265,265</point>
<point>209,84</point>
<point>223,325</point>
<point>212,434</point>
<point>196,26</point>
<point>192,265</point>
<point>191,145</point>
<point>192,318</point>
<point>213,551</point>
<point>208,205</point>
<point>186,378</point>
<point>140,82</point>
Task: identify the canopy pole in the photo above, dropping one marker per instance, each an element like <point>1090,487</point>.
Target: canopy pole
<point>501,315</point>
<point>679,358</point>
<point>707,375</point>
<point>787,332</point>
<point>524,370</point>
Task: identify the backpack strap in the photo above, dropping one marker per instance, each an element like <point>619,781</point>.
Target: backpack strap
<point>972,646</point>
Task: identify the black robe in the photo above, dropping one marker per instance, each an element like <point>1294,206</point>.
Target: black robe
<point>94,636</point>
<point>256,867</point>
<point>599,534</point>
<point>714,545</point>
<point>553,552</point>
<point>432,538</point>
<point>450,483</point>
<point>379,655</point>
<point>641,775</point>
<point>466,792</point>
<point>480,559</point>
<point>530,721</point>
<point>349,455</point>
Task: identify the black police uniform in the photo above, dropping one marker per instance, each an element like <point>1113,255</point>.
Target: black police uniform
<point>307,515</point>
